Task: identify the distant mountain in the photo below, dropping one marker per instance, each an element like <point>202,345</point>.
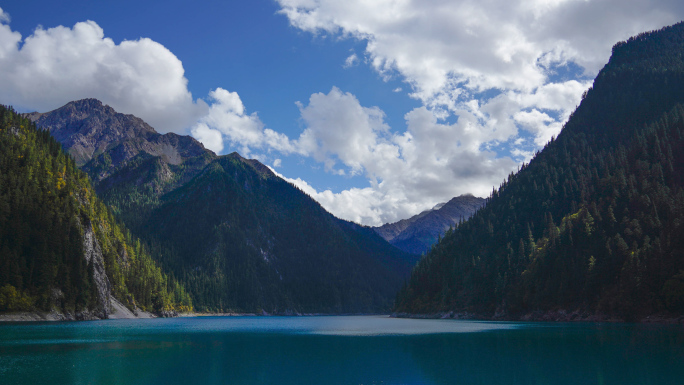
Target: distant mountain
<point>417,234</point>
<point>236,235</point>
<point>592,227</point>
<point>60,248</point>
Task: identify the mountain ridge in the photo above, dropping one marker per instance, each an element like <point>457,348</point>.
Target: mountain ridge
<point>591,227</point>
<point>61,250</point>
<point>239,237</point>
<point>417,234</point>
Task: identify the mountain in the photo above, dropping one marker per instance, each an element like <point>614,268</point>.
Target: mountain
<point>60,248</point>
<point>592,227</point>
<point>247,240</point>
<point>88,129</point>
<point>417,234</point>
<point>130,164</point>
<point>236,235</point>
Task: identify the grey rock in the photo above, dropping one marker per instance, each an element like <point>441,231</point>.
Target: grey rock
<point>112,147</point>
<point>417,234</point>
<point>93,254</point>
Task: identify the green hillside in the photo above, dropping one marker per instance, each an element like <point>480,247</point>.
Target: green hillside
<point>238,237</point>
<point>594,222</point>
<point>60,247</point>
<point>243,239</point>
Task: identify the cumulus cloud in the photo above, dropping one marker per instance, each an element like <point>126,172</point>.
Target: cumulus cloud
<point>351,61</point>
<point>338,127</point>
<point>408,172</point>
<point>439,45</point>
<point>490,65</point>
<point>450,52</point>
<point>60,64</point>
<point>227,120</point>
<point>429,162</point>
<point>211,138</point>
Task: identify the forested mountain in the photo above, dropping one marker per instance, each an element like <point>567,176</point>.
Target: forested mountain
<point>417,234</point>
<point>243,239</point>
<point>129,163</point>
<point>60,247</point>
<point>595,222</point>
<point>236,235</point>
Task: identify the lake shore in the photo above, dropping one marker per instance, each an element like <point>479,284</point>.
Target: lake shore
<point>119,311</point>
<point>546,316</point>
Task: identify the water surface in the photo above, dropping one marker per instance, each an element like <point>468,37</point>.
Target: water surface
<point>338,350</point>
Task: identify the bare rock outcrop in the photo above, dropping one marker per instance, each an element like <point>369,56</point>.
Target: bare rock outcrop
<point>93,254</point>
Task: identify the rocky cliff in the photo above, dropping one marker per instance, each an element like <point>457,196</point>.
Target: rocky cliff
<point>94,257</point>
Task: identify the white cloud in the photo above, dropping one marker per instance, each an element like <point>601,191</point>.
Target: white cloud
<point>209,137</point>
<point>429,163</point>
<point>351,61</point>
<point>339,127</point>
<point>57,65</point>
<point>227,120</point>
<point>452,53</point>
<point>227,117</point>
<point>439,45</point>
<point>4,17</point>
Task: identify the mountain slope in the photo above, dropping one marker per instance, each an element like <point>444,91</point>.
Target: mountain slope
<point>87,128</point>
<point>593,224</point>
<point>60,248</point>
<point>129,163</point>
<point>417,234</point>
<point>246,240</point>
<point>236,235</point>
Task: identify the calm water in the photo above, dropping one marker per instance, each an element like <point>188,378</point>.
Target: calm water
<point>337,350</point>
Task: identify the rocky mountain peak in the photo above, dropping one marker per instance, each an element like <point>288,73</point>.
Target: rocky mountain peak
<point>416,234</point>
<point>89,107</point>
<point>87,127</point>
<point>93,132</point>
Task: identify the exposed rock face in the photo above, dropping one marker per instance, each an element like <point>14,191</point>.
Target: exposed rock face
<point>93,254</point>
<point>103,141</point>
<point>86,127</point>
<point>416,234</point>
<point>390,231</point>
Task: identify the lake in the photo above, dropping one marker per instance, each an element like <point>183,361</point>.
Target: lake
<point>338,350</point>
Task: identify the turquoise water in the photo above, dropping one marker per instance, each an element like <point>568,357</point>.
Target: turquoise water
<point>338,350</point>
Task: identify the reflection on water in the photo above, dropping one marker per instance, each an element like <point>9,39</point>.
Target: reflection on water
<point>338,350</point>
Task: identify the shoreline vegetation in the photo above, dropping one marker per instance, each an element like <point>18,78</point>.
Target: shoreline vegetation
<point>119,311</point>
<point>560,315</point>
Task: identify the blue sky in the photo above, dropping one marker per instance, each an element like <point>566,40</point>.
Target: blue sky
<point>378,110</point>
